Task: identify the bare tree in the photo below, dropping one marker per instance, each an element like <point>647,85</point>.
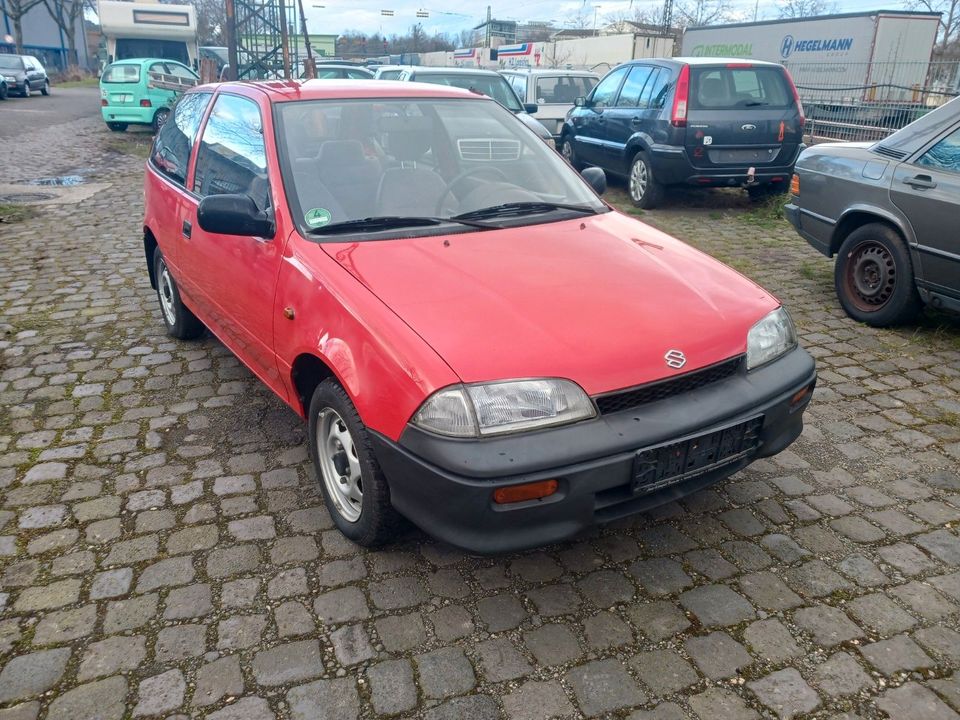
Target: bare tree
<point>583,18</point>
<point>211,21</point>
<point>15,10</point>
<point>806,8</point>
<point>949,33</point>
<point>65,14</point>
<point>695,13</point>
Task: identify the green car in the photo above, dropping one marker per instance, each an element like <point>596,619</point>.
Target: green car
<point>128,97</point>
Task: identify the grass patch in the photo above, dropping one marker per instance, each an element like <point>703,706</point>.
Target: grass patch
<point>10,213</point>
<point>137,145</point>
<point>767,213</point>
<point>816,271</point>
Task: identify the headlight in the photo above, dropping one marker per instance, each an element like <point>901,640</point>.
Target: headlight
<point>770,338</point>
<point>503,407</point>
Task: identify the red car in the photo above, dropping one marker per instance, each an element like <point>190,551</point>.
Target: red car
<point>477,341</point>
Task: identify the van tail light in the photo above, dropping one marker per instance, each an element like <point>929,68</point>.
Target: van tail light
<point>103,102</point>
<point>145,103</point>
<point>796,97</point>
<point>678,116</point>
<point>795,185</point>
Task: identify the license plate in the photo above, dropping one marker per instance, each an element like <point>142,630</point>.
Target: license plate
<point>656,468</point>
<point>758,155</point>
<point>121,97</point>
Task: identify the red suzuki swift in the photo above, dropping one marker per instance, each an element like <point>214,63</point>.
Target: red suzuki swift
<point>478,342</point>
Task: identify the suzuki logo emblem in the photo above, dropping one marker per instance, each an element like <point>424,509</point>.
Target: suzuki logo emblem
<point>675,359</point>
<point>748,127</point>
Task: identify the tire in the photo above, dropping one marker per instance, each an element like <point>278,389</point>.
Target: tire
<point>340,450</point>
<point>180,321</point>
<point>117,126</point>
<point>569,154</point>
<point>45,90</point>
<point>4,91</point>
<point>159,118</point>
<point>645,191</point>
<point>26,89</point>
<point>874,279</point>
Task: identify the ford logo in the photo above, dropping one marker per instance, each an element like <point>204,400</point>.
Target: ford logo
<point>748,127</point>
<point>675,359</point>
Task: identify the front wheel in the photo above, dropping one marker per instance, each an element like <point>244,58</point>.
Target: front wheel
<point>4,91</point>
<point>645,191</point>
<point>873,276</point>
<point>26,90</point>
<point>354,487</point>
<point>160,118</point>
<point>117,126</point>
<point>569,154</point>
<point>180,321</point>
<point>45,90</point>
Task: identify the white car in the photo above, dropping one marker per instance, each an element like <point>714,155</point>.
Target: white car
<point>553,91</point>
<point>388,72</point>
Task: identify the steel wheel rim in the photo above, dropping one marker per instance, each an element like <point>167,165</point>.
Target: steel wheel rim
<point>339,464</point>
<point>638,180</point>
<point>870,277</point>
<point>165,291</point>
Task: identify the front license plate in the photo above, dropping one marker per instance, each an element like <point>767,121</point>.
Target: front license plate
<point>658,467</point>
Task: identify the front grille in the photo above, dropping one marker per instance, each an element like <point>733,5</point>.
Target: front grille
<point>635,397</point>
<point>488,150</point>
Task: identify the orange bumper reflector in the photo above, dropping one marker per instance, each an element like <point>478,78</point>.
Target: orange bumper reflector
<point>795,185</point>
<point>800,396</point>
<point>527,491</point>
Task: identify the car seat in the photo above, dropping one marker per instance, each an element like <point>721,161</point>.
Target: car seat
<point>350,177</point>
<point>408,189</point>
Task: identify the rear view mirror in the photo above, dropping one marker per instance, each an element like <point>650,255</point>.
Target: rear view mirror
<point>530,108</point>
<point>580,102</point>
<point>596,178</point>
<point>234,215</point>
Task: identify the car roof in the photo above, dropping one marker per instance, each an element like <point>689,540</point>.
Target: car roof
<point>430,70</point>
<point>290,90</point>
<point>141,61</point>
<point>549,71</point>
<point>718,61</point>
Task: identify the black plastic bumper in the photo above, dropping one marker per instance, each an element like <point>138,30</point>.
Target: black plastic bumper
<point>815,232</point>
<point>672,166</point>
<point>446,486</point>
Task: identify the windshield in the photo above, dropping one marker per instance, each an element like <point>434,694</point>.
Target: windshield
<point>426,158</point>
<point>563,90</point>
<point>10,63</point>
<point>121,74</point>
<point>494,86</point>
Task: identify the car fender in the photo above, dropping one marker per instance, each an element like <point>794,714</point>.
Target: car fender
<point>857,214</point>
<point>637,142</point>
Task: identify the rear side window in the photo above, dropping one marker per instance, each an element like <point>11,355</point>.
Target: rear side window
<point>232,156</point>
<point>121,74</point>
<point>633,87</point>
<point>563,90</point>
<point>174,142</point>
<point>519,83</point>
<point>727,88</point>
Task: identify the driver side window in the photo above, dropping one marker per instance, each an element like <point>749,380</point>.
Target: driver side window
<point>945,155</point>
<point>605,93</point>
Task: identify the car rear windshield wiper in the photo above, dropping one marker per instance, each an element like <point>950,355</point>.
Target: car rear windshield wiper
<point>522,208</point>
<point>755,103</point>
<point>390,222</point>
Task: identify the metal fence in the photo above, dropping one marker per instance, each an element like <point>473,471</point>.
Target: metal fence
<point>868,101</point>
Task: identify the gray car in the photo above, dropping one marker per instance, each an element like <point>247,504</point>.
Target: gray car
<point>888,211</point>
<point>24,74</point>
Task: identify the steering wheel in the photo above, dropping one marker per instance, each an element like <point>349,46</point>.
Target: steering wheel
<point>463,176</point>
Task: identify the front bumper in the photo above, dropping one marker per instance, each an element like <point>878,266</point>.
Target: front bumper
<point>445,486</point>
<point>672,166</point>
<point>814,230</point>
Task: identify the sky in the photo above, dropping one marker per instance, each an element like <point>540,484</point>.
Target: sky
<point>452,16</point>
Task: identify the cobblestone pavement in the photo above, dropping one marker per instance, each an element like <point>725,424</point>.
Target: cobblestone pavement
<point>164,551</point>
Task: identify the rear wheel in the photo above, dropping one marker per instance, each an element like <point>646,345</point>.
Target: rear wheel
<point>160,118</point>
<point>645,191</point>
<point>353,485</point>
<point>45,90</point>
<point>117,126</point>
<point>181,323</point>
<point>873,276</point>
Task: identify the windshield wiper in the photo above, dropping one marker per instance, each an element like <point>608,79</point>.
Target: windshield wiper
<point>522,208</point>
<point>390,222</point>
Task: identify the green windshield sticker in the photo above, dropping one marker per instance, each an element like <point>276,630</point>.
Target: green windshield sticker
<point>317,217</point>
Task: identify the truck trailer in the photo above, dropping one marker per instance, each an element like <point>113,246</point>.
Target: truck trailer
<point>867,68</point>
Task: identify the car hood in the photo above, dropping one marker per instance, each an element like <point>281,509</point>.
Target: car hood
<point>599,300</point>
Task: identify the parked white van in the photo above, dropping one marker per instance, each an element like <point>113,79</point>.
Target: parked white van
<point>552,90</point>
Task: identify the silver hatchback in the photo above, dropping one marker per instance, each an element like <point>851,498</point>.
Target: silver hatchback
<point>888,212</point>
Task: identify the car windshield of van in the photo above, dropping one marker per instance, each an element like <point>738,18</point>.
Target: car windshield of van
<point>494,86</point>
<point>121,74</point>
<point>10,62</point>
<point>563,90</point>
<point>404,167</point>
<point>727,88</point>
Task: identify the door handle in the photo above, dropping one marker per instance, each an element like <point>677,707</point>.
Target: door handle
<point>187,228</point>
<point>635,121</point>
<point>920,182</point>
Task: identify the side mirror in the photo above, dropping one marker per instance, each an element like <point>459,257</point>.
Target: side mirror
<point>234,215</point>
<point>530,108</point>
<point>580,102</point>
<point>595,177</point>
